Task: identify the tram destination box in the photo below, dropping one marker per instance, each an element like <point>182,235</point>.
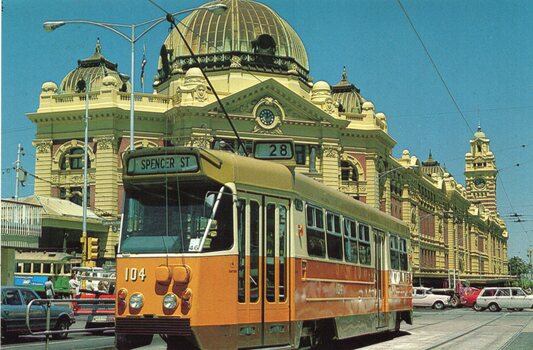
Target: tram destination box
<point>162,164</point>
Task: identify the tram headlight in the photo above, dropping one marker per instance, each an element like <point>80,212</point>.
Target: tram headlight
<point>170,301</point>
<point>136,301</point>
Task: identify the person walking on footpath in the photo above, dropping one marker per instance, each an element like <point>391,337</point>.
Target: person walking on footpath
<point>74,285</point>
<point>49,288</point>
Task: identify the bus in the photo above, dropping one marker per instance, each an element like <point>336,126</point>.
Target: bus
<point>219,250</point>
<point>34,267</point>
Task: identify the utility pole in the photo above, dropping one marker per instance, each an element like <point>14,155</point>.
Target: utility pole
<point>18,171</point>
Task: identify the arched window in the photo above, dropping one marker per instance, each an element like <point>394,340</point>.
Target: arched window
<point>74,159</point>
<point>349,171</point>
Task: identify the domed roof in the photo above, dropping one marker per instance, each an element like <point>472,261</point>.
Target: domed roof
<point>93,69</point>
<point>347,94</point>
<point>479,134</point>
<point>248,35</point>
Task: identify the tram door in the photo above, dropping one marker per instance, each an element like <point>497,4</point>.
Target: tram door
<point>263,271</point>
<point>379,241</point>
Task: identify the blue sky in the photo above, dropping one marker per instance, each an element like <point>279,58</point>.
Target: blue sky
<point>483,50</point>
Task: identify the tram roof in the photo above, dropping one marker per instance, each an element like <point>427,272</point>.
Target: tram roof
<point>278,177</point>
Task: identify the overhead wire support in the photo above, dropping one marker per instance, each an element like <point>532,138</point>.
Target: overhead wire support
<point>172,21</point>
<point>434,65</point>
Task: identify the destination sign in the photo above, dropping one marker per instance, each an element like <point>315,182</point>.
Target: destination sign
<point>273,150</point>
<point>162,164</point>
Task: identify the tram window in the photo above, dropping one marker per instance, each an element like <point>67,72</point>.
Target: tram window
<point>27,267</point>
<point>282,253</point>
<point>316,242</point>
<point>47,268</point>
<point>254,251</point>
<point>58,268</point>
<point>350,241</point>
<point>36,268</point>
<point>364,245</point>
<point>403,254</point>
<point>394,253</point>
<point>20,267</point>
<point>270,256</point>
<point>241,225</point>
<point>334,236</point>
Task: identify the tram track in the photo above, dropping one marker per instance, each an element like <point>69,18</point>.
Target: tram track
<point>431,324</point>
<point>449,340</point>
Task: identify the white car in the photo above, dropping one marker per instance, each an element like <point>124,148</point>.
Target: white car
<point>423,297</point>
<point>497,298</point>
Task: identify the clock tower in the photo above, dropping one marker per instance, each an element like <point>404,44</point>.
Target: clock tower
<point>480,172</point>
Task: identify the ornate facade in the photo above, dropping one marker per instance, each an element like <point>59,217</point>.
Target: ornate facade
<point>258,66</point>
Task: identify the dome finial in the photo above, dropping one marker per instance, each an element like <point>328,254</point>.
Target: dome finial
<point>479,125</point>
<point>344,76</point>
<point>98,48</point>
<point>430,157</point>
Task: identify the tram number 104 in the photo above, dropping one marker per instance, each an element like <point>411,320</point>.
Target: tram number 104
<point>132,274</point>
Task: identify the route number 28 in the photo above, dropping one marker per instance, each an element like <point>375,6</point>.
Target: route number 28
<point>132,274</point>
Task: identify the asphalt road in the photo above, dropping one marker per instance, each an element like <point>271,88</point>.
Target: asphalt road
<point>432,329</point>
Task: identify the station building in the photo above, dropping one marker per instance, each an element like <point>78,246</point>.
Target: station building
<point>259,68</point>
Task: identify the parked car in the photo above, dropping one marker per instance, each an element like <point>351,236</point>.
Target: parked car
<point>423,297</point>
<point>469,298</point>
<point>497,298</point>
<point>13,316</point>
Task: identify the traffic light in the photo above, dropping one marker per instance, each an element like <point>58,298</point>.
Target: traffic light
<point>92,251</point>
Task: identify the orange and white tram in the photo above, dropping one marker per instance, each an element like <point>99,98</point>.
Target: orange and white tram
<point>223,251</point>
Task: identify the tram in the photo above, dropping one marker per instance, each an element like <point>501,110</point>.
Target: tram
<point>34,267</point>
<point>220,251</point>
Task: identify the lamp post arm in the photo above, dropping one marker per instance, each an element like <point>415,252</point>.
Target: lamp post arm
<point>109,26</point>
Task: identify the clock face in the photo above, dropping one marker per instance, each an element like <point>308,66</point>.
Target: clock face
<point>267,117</point>
<point>479,182</point>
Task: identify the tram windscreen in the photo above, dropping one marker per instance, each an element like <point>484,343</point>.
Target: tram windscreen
<point>188,218</point>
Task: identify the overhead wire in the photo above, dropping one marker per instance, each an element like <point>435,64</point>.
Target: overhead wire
<point>434,65</point>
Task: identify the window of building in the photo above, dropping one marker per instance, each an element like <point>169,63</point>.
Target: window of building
<point>300,154</point>
<point>349,171</point>
<point>232,145</point>
<point>74,159</point>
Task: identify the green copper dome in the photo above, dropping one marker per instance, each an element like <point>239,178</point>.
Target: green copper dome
<point>248,35</point>
<point>93,70</point>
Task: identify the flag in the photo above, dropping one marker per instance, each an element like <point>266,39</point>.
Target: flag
<point>143,63</point>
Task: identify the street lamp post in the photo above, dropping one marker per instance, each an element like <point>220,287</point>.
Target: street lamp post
<point>132,39</point>
<point>378,178</point>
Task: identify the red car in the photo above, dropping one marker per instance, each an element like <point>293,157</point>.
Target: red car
<point>469,298</point>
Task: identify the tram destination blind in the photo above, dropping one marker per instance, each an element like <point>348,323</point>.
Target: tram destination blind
<point>273,150</point>
<point>163,164</point>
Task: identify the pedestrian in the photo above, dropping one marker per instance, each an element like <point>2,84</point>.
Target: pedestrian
<point>49,288</point>
<point>74,285</point>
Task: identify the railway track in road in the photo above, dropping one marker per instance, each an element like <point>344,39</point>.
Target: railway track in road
<point>464,334</point>
<point>482,335</point>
